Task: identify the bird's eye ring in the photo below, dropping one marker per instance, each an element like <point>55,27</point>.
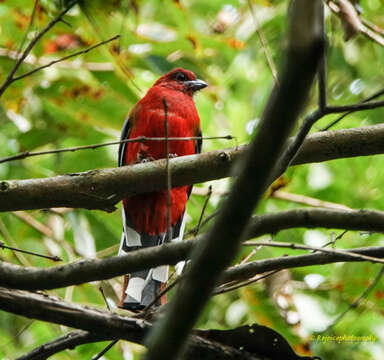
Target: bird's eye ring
<point>179,76</point>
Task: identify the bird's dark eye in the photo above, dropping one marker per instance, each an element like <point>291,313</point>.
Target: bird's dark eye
<point>179,76</point>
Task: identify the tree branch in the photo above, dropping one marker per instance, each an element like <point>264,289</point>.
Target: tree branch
<point>11,78</point>
<point>141,139</point>
<point>44,60</point>
<point>18,302</point>
<point>53,258</point>
<point>84,271</point>
<point>326,250</point>
<point>354,107</point>
<point>67,341</point>
<point>49,308</point>
<point>307,200</point>
<point>221,243</point>
<point>101,189</point>
<point>102,325</point>
<point>296,143</point>
<point>340,144</point>
<point>248,270</point>
<point>80,52</point>
<point>341,117</point>
<point>351,21</point>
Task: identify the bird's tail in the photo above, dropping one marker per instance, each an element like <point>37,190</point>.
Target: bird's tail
<point>142,288</point>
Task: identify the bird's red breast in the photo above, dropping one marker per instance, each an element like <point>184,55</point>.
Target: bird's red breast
<point>147,213</point>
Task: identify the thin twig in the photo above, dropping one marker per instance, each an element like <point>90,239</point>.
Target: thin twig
<point>104,297</point>
<point>264,43</point>
<point>53,258</point>
<point>210,217</point>
<point>20,257</point>
<point>168,172</point>
<point>46,231</point>
<point>306,200</point>
<point>10,78</point>
<point>30,24</point>
<point>354,107</point>
<point>338,237</point>
<point>225,288</point>
<point>356,303</point>
<point>35,224</point>
<point>250,255</point>
<point>84,51</point>
<point>372,35</point>
<point>203,191</point>
<point>369,98</point>
<point>107,348</point>
<point>161,293</point>
<point>17,335</point>
<point>204,222</point>
<point>333,241</point>
<point>290,152</point>
<point>112,343</point>
<point>197,228</point>
<point>43,60</point>
<point>27,154</point>
<point>320,249</point>
<point>373,26</point>
<point>123,28</point>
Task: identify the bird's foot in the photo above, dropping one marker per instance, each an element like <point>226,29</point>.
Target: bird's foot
<point>148,159</point>
<point>142,160</point>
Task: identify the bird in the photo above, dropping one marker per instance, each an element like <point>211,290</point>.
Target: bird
<point>167,109</point>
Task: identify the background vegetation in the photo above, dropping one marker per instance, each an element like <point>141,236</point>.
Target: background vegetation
<point>236,47</point>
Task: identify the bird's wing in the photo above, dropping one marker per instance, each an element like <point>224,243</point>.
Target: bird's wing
<point>199,143</point>
<point>129,235</point>
<point>124,135</point>
<point>142,286</point>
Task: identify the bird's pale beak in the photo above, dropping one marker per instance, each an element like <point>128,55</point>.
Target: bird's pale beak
<point>195,85</point>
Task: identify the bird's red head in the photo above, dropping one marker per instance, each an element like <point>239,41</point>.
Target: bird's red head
<point>181,80</point>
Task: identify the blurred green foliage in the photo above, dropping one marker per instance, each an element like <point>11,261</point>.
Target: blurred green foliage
<point>85,100</point>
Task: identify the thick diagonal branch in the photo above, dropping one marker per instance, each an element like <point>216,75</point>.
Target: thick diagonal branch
<point>222,242</point>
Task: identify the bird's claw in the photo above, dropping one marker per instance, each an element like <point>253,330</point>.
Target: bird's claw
<point>171,156</point>
<point>143,158</point>
<point>146,160</point>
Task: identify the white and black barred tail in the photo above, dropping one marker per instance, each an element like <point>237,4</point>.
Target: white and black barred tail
<point>143,287</point>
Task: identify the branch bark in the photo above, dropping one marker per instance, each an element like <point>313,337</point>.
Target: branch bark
<point>240,272</point>
<point>84,271</point>
<point>220,246</point>
<point>102,189</point>
<point>67,341</point>
<point>246,271</point>
<point>103,325</point>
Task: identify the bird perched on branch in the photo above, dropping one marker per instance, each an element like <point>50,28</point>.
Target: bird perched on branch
<point>167,110</point>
